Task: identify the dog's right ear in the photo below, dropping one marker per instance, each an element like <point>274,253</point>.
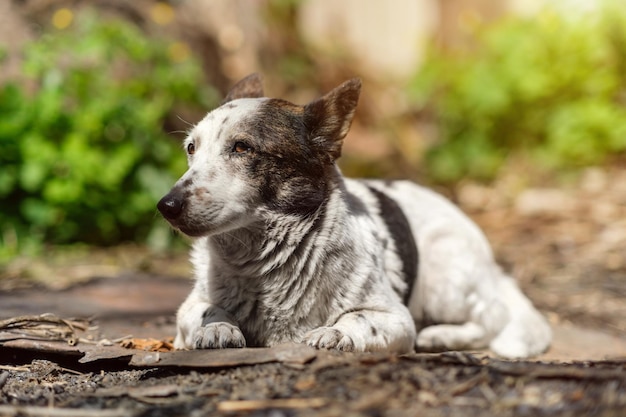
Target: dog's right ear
<point>249,87</point>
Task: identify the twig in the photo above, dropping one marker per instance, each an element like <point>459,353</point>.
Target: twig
<point>46,326</point>
<point>467,385</point>
<point>70,371</point>
<point>536,370</point>
<point>253,405</point>
<point>28,411</point>
<point>14,368</point>
<point>30,321</point>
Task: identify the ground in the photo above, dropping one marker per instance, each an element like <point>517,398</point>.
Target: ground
<point>330,385</point>
<point>565,246</point>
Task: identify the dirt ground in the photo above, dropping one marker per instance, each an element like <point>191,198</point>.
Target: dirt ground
<point>331,385</point>
<point>565,246</point>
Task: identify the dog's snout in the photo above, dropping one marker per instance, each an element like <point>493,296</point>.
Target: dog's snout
<point>171,206</point>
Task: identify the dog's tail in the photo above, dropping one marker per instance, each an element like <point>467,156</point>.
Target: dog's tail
<point>527,333</point>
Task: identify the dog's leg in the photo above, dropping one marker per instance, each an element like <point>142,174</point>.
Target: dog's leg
<point>367,330</point>
<point>483,319</point>
<point>525,332</point>
<point>452,337</point>
<point>528,333</point>
<point>205,326</point>
<point>219,330</point>
<point>457,289</point>
<point>475,305</point>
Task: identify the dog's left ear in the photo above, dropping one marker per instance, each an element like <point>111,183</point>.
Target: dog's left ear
<point>249,87</point>
<point>328,118</point>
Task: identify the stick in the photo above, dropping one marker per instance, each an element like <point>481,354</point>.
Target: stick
<point>252,405</point>
<point>14,368</point>
<point>28,411</point>
<point>24,321</point>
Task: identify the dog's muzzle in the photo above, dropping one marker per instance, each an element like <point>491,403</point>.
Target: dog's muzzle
<point>172,205</point>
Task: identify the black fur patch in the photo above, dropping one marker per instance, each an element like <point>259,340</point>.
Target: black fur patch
<point>400,231</point>
<point>215,314</point>
<point>288,172</point>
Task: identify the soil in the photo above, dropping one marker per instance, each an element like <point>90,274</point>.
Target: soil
<point>332,385</point>
<point>564,245</point>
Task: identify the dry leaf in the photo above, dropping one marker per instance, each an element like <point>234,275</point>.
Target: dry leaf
<point>150,345</point>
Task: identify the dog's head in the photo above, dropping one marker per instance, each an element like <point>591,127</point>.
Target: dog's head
<point>254,155</point>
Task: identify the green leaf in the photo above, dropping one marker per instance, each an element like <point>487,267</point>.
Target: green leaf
<point>83,150</point>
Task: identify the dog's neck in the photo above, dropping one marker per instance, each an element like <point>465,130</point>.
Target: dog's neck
<point>280,240</point>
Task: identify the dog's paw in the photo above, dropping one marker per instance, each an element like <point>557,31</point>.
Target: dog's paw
<point>218,336</point>
<point>329,338</point>
<point>432,340</point>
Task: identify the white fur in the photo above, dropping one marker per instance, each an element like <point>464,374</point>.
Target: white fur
<point>462,287</point>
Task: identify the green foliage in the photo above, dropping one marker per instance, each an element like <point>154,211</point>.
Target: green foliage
<point>551,88</point>
<point>83,153</point>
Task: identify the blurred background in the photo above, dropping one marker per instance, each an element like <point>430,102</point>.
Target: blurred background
<point>515,109</point>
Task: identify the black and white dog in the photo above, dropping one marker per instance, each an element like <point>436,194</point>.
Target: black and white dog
<point>288,249</point>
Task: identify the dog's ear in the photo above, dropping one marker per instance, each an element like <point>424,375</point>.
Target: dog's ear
<point>249,87</point>
<point>328,118</point>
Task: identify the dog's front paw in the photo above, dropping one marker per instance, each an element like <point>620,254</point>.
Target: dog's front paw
<point>218,335</point>
<point>329,338</point>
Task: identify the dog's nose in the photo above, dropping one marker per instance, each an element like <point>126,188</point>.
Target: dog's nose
<point>171,205</point>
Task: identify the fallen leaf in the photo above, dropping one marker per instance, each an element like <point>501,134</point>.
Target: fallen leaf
<point>150,345</point>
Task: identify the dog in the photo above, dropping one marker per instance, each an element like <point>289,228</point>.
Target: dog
<point>289,250</point>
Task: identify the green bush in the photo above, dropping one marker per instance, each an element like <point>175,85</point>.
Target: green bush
<point>83,153</point>
<point>551,89</point>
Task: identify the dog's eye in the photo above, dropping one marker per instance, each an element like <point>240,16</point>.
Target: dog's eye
<point>191,149</point>
<point>241,147</point>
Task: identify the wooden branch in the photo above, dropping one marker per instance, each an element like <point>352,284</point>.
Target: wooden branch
<point>253,405</point>
<point>30,321</point>
<point>29,411</point>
